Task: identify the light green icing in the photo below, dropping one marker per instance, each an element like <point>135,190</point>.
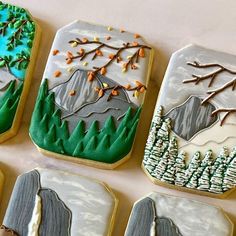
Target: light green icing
<point>17,32</point>
<point>102,144</point>
<point>164,162</point>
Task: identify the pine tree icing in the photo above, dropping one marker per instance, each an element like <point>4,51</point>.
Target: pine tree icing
<point>180,166</point>
<point>153,146</point>
<point>230,174</point>
<point>166,163</point>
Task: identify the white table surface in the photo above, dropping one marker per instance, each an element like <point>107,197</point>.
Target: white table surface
<point>167,25</point>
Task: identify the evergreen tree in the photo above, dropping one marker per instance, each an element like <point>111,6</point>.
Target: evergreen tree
<point>230,174</point>
<point>160,150</point>
<point>154,157</point>
<point>161,167</point>
<point>193,181</point>
<point>180,166</point>
<point>217,179</point>
<point>153,150</point>
<point>221,159</point>
<point>193,166</point>
<point>169,175</point>
<point>197,175</point>
<point>204,180</point>
<point>207,161</point>
<point>164,132</point>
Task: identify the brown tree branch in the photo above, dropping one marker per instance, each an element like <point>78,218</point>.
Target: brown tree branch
<point>214,92</point>
<point>227,110</point>
<point>116,56</point>
<point>211,76</point>
<point>140,88</point>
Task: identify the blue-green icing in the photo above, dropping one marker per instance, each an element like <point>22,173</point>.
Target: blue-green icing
<point>3,43</point>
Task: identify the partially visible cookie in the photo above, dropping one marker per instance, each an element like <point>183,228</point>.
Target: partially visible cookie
<point>19,41</point>
<point>192,140</point>
<point>165,215</point>
<point>56,203</point>
<point>91,96</point>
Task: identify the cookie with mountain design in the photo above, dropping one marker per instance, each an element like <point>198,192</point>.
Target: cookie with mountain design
<point>192,140</point>
<point>165,215</point>
<point>58,203</point>
<point>91,96</point>
<point>19,40</point>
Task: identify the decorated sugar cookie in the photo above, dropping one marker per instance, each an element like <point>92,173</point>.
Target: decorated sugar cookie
<point>165,215</point>
<point>56,203</point>
<point>19,36</point>
<point>91,95</point>
<point>192,141</point>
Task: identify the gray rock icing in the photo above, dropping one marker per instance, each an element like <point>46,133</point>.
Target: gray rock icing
<point>144,221</point>
<point>193,218</point>
<point>21,204</point>
<point>5,78</point>
<point>166,227</point>
<point>56,217</point>
<point>191,117</point>
<point>85,104</point>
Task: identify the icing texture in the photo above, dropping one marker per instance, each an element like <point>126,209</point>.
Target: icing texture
<point>145,222</point>
<point>177,216</point>
<point>17,31</point>
<point>164,161</point>
<point>40,206</point>
<point>91,94</point>
<point>191,143</point>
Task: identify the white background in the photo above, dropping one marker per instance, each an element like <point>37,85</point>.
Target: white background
<point>167,25</point>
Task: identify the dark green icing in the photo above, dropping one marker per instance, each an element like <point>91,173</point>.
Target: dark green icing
<point>17,31</point>
<point>104,144</point>
<point>8,105</point>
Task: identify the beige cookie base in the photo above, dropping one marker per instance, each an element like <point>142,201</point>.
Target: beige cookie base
<point>184,189</point>
<point>78,160</point>
<point>1,183</point>
<point>113,216</point>
<point>27,81</point>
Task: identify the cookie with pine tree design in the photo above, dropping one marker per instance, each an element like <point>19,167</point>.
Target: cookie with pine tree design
<point>19,40</point>
<point>91,95</point>
<point>192,140</point>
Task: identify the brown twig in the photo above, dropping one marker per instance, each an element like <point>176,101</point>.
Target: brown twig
<point>5,25</point>
<point>227,110</point>
<point>214,92</point>
<point>115,56</point>
<point>211,76</point>
<point>17,34</point>
<point>140,88</point>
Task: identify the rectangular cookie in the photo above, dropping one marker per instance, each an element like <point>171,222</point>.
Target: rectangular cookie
<point>161,214</point>
<point>56,203</point>
<point>19,41</point>
<point>91,95</point>
<point>192,141</point>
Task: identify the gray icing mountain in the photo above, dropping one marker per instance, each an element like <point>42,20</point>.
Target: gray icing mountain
<point>85,103</point>
<point>5,78</point>
<point>191,117</point>
<point>145,222</point>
